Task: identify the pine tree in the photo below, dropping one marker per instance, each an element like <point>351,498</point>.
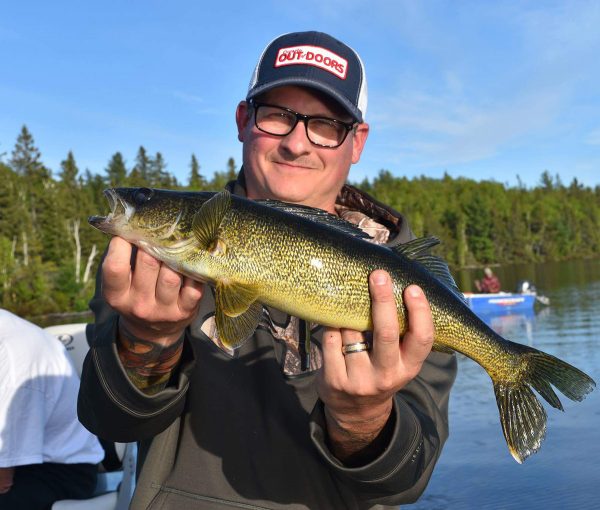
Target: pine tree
<point>231,169</point>
<point>26,157</point>
<point>68,204</point>
<point>8,267</point>
<point>72,214</point>
<point>140,173</point>
<point>116,172</point>
<point>158,175</point>
<point>10,219</point>
<point>196,181</point>
<point>34,195</point>
<point>69,171</point>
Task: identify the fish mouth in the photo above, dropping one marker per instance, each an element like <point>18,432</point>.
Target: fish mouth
<point>118,210</point>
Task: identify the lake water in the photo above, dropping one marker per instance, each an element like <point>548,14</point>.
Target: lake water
<point>475,470</point>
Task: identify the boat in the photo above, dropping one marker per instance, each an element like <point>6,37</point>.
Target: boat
<point>504,302</point>
<point>500,302</point>
<point>523,300</point>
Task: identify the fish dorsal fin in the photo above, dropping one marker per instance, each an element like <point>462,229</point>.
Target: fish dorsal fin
<point>318,216</point>
<point>207,219</point>
<point>416,247</point>
<point>237,313</point>
<point>418,250</point>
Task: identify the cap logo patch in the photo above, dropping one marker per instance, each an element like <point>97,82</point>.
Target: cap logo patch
<point>313,56</point>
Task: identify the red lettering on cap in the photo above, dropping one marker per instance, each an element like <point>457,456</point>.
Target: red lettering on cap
<point>313,56</point>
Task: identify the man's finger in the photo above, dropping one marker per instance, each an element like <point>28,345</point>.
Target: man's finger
<point>418,340</point>
<point>116,269</point>
<point>145,276</point>
<point>358,364</point>
<point>168,286</point>
<point>386,332</point>
<point>334,367</point>
<point>190,295</point>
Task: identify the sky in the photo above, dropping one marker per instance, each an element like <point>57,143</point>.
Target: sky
<point>498,90</point>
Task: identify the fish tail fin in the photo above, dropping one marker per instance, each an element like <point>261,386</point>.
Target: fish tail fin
<point>522,416</point>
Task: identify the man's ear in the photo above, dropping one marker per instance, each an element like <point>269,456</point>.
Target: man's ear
<point>358,141</point>
<point>242,119</point>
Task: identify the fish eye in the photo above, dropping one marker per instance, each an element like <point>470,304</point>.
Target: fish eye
<point>142,195</point>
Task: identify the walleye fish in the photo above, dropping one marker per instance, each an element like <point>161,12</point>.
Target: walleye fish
<point>315,266</point>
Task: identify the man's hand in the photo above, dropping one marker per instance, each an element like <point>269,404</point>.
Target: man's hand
<point>154,302</point>
<point>155,305</point>
<point>357,388</point>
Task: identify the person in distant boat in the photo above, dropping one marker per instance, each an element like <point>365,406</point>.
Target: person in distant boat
<point>45,453</point>
<point>489,284</point>
<point>359,425</point>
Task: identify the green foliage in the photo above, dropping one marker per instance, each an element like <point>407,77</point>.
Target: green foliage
<point>46,243</point>
<point>487,222</point>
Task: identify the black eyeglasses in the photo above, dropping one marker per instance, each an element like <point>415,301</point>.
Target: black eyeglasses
<point>321,131</point>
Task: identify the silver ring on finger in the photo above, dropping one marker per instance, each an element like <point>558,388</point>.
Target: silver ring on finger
<point>356,347</point>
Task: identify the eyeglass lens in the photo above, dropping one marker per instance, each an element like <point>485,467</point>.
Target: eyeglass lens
<point>280,121</point>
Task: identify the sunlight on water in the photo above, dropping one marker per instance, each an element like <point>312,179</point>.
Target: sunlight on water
<point>476,470</point>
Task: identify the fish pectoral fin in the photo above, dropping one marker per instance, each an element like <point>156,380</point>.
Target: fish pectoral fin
<point>235,330</point>
<point>208,218</point>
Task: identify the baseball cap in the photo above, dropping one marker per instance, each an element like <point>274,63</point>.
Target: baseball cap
<point>316,60</point>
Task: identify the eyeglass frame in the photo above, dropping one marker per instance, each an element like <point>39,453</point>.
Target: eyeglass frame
<point>348,126</point>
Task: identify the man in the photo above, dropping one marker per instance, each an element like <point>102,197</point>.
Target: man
<point>253,428</point>
<point>489,284</point>
<point>45,453</point>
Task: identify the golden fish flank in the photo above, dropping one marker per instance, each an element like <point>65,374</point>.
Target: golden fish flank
<point>315,266</point>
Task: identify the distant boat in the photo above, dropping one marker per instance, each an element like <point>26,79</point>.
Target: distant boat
<point>503,302</point>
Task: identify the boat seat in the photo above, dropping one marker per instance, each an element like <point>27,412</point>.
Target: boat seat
<point>116,474</point>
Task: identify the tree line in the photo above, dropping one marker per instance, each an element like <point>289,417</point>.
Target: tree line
<point>49,254</point>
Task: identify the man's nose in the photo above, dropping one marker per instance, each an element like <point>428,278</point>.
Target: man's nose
<point>296,142</point>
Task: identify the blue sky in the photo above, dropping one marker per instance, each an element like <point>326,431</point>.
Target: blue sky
<point>484,90</point>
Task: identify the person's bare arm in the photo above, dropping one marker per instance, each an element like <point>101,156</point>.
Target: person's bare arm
<point>6,479</point>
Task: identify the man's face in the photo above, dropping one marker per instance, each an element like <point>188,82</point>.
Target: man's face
<point>291,168</point>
